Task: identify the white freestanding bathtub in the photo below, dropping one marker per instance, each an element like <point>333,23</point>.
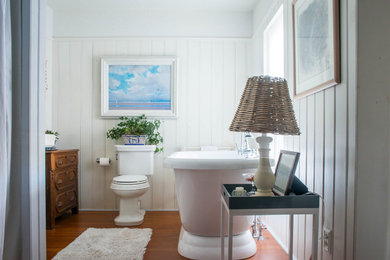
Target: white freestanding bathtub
<point>198,179</point>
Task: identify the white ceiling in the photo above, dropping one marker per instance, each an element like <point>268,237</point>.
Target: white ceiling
<point>155,5</point>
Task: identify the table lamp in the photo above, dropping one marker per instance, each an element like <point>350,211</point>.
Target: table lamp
<point>265,107</point>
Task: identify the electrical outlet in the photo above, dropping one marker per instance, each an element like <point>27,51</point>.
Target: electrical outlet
<point>328,236</point>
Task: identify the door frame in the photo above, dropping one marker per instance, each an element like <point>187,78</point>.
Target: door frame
<point>29,47</point>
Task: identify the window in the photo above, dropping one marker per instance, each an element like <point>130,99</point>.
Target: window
<point>273,38</point>
<point>274,46</point>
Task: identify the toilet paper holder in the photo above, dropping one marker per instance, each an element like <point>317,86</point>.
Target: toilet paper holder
<point>98,160</point>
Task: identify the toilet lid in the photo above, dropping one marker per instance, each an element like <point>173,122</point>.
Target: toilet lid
<point>130,179</point>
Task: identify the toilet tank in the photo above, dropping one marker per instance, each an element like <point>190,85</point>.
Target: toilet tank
<point>135,159</point>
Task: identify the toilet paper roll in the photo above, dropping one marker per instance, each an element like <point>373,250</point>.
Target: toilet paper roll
<point>104,161</point>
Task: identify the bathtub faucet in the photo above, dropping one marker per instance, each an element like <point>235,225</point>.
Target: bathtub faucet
<point>248,147</point>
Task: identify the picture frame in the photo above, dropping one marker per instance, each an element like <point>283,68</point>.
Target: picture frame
<point>285,172</point>
<point>316,45</point>
<point>136,85</point>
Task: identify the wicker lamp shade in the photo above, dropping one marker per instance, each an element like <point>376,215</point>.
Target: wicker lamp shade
<point>265,107</point>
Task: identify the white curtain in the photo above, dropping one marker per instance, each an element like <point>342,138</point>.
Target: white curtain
<point>5,111</point>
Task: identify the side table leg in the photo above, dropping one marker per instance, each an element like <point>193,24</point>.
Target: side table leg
<point>291,249</point>
<point>230,234</point>
<point>222,231</point>
<point>315,236</point>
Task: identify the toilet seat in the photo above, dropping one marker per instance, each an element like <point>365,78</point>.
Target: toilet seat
<point>130,180</point>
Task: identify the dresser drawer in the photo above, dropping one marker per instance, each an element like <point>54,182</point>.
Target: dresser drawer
<point>65,201</point>
<point>65,160</point>
<point>64,178</point>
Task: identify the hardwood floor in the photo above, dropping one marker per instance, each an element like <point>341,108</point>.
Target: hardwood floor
<point>162,246</point>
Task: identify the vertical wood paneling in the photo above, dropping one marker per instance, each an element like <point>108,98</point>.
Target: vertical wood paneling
<point>229,90</point>
<point>329,162</point>
<point>86,156</point>
<point>193,136</point>
<point>98,133</point>
<point>340,172</point>
<point>310,151</point>
<point>110,49</point>
<point>73,130</point>
<point>182,54</point>
<point>205,90</point>
<point>351,60</point>
<point>134,47</point>
<point>241,71</point>
<point>296,147</point>
<point>217,90</point>
<point>319,157</point>
<point>171,127</point>
<point>207,87</point>
<point>341,144</point>
<point>143,47</point>
<point>63,91</point>
<point>157,48</point>
<point>302,173</point>
<point>55,78</point>
<point>122,47</point>
<point>181,133</point>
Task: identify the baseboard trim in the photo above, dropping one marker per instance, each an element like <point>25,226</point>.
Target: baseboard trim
<point>98,209</point>
<point>161,210</point>
<point>277,239</point>
<point>118,210</point>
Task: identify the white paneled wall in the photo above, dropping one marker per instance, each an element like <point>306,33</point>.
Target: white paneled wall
<point>212,74</point>
<point>326,143</point>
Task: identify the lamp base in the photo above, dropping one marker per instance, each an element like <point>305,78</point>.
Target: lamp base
<point>264,178</point>
<point>264,193</point>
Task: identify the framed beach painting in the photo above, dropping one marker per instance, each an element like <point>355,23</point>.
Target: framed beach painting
<point>132,86</point>
<point>316,45</point>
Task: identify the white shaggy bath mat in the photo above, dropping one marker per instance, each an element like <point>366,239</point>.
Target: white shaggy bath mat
<point>108,243</point>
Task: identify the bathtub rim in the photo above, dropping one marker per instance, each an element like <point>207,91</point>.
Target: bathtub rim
<point>236,162</point>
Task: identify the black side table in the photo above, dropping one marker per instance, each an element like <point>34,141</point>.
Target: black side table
<point>277,205</point>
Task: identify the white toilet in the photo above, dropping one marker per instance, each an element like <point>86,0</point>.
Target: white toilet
<point>134,163</point>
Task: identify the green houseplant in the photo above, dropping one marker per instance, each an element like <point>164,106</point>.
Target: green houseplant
<point>138,126</point>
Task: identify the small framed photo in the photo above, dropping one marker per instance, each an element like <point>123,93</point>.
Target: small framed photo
<point>136,85</point>
<point>285,172</point>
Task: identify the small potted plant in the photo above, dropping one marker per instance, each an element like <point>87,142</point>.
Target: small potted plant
<point>137,131</point>
<point>51,138</point>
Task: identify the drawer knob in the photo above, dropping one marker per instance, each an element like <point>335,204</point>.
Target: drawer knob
<point>59,181</point>
<point>60,162</point>
<point>60,203</point>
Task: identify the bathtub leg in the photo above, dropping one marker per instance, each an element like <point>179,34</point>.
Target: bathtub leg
<point>261,227</point>
<point>255,228</point>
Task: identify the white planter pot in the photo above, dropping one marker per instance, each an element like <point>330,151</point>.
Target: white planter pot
<point>134,139</point>
<point>50,141</point>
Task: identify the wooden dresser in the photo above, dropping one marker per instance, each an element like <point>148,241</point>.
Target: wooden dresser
<point>61,184</point>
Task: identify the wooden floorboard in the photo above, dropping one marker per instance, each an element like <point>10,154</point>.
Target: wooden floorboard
<point>162,246</point>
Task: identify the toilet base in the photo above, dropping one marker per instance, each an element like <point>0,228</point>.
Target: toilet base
<point>136,218</point>
<point>208,248</point>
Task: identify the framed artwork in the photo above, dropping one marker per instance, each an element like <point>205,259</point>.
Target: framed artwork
<point>132,86</point>
<point>285,172</point>
<point>316,42</point>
